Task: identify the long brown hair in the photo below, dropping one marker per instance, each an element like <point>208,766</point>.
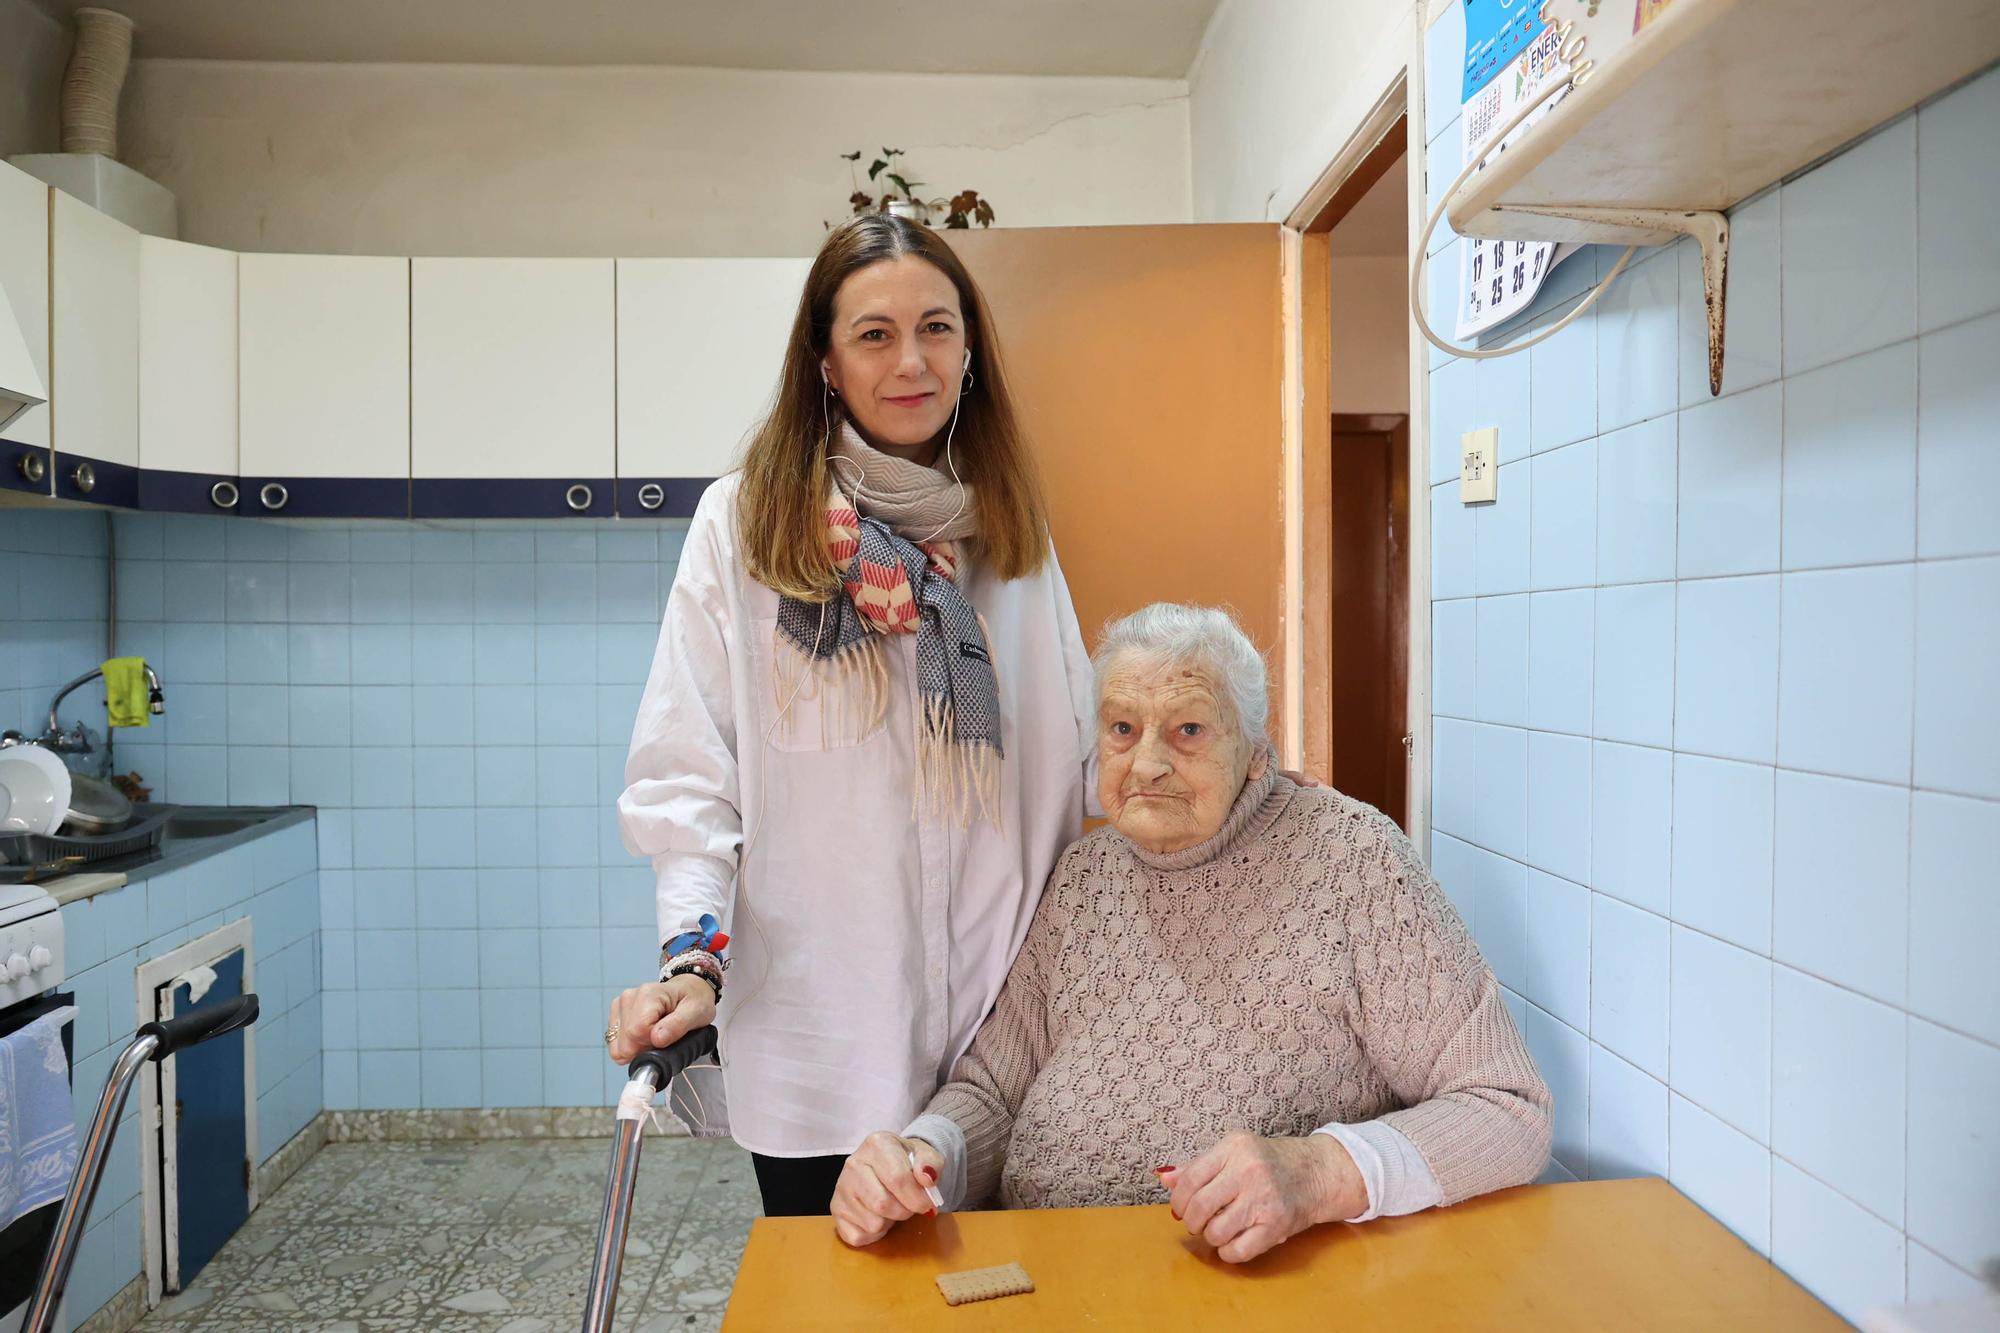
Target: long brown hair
<point>781,506</point>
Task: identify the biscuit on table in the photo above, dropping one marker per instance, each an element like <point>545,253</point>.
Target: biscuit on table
<point>983,1284</point>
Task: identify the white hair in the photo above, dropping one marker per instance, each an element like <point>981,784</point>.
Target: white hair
<point>1167,635</point>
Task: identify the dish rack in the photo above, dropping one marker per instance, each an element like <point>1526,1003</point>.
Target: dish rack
<point>36,849</point>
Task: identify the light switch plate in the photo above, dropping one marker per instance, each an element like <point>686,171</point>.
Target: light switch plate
<point>1479,466</point>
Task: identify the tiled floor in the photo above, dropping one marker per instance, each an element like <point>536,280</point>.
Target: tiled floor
<point>488,1237</point>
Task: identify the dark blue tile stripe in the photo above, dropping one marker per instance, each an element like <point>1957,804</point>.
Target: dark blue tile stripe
<point>116,484</point>
<point>11,454</point>
<point>508,497</point>
<point>183,492</point>
<point>328,497</point>
<point>681,496</point>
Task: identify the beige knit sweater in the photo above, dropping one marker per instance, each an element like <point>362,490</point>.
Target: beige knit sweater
<point>1300,967</point>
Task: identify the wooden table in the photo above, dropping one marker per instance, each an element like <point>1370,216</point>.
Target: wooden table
<point>1605,1255</point>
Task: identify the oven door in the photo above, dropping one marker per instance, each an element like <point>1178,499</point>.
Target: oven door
<point>23,1244</point>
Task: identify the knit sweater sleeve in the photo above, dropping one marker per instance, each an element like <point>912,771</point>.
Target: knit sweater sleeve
<point>992,1078</point>
<point>1432,1021</point>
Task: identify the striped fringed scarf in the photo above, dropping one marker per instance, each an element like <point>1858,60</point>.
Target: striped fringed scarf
<point>895,585</point>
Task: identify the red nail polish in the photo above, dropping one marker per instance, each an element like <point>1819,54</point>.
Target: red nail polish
<point>930,1174</point>
<point>931,1213</point>
<point>1177,1216</point>
<point>1161,1170</point>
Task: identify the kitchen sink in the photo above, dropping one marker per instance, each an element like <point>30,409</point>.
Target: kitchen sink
<point>213,822</point>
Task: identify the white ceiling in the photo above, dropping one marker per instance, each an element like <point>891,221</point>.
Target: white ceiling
<point>1140,38</point>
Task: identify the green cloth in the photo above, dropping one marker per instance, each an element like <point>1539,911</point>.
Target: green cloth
<point>125,694</point>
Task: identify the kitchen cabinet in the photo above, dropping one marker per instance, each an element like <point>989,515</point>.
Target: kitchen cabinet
<point>187,377</point>
<point>512,391</point>
<point>94,331</point>
<point>700,344</point>
<point>24,276</point>
<point>324,392</point>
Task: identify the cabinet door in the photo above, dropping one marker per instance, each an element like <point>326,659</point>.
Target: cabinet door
<point>24,276</point>
<point>324,396</point>
<point>94,288</point>
<point>187,377</point>
<point>511,392</point>
<point>700,342</point>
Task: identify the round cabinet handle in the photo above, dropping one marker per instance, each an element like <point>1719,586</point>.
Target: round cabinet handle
<point>85,478</point>
<point>274,495</point>
<point>33,468</point>
<point>224,495</point>
<point>578,497</point>
<point>652,495</point>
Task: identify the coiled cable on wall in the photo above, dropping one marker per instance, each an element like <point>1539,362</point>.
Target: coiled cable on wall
<point>1423,247</point>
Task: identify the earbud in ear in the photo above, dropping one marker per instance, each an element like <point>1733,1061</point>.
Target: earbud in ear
<point>967,363</point>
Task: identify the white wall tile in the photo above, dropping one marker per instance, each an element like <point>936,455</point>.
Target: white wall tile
<point>1724,829</point>
<point>1501,532</point>
<point>1840,885</point>
<point>1454,658</point>
<point>1845,672</point>
<point>1454,776</point>
<point>1840,1253</point>
<point>1628,1119</point>
<point>1954,1095</point>
<point>1720,1030</point>
<point>1958,401</point>
<point>1958,196</point>
<point>1851,461</point>
<point>1559,805</point>
<point>1560,657</point>
<point>1501,821</point>
<point>1954,912</point>
<point>1500,922</point>
<point>1957,706</point>
<point>1563,525</point>
<point>1631,808</point>
<point>1629,983</point>
<point>1636,491</point>
<point>1723,1170</point>
<point>1863,202</point>
<point>1730,484</point>
<point>1562,1055</point>
<point>1837,1088</point>
<point>1563,383</point>
<point>1726,668</point>
<point>1751,315</point>
<point>1556,948</point>
<point>1454,547</point>
<point>1503,660</point>
<point>1633,694</point>
<point>1638,342</point>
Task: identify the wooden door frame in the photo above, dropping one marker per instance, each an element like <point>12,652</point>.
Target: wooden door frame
<point>1361,162</point>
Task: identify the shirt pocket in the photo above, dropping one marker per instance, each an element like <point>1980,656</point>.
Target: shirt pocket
<point>824,707</point>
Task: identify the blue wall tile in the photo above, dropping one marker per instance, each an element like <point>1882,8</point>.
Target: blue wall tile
<point>1957,709</point>
<point>1842,858</point>
<point>1731,458</point>
<point>1628,1119</point>
<point>1563,528</point>
<point>1631,810</point>
<point>1500,532</point>
<point>1454,658</point>
<point>1726,668</point>
<point>1559,805</point>
<point>1633,697</point>
<point>1954,1086</point>
<point>1958,195</point>
<point>1638,338</point>
<point>1954,914</point>
<point>1556,948</point>
<point>1628,983</point>
<point>1560,654</point>
<point>1719,1022</point>
<point>1725,823</point>
<point>1958,401</point>
<point>1833,1048</point>
<point>1502,695</point>
<point>1723,1170</point>
<point>1863,201</point>
<point>1845,687</point>
<point>1851,461</point>
<point>1635,502</point>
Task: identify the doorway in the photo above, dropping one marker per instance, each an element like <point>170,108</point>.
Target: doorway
<point>1355,258</point>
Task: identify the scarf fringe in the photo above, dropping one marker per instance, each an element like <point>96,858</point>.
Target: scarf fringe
<point>953,781</point>
<point>951,777</point>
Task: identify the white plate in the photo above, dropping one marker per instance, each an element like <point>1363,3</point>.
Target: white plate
<point>34,790</point>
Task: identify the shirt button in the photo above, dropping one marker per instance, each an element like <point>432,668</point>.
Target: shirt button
<point>937,974</point>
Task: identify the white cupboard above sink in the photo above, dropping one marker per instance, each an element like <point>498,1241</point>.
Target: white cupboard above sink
<point>700,343</point>
<point>196,380</point>
<point>512,388</point>
<point>187,377</point>
<point>325,392</point>
<point>94,334</point>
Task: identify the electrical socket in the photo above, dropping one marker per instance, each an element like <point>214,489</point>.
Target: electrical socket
<point>1479,466</point>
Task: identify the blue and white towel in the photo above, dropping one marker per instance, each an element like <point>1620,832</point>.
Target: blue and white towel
<point>37,1128</point>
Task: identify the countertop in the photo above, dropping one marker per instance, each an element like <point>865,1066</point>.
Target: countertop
<point>174,851</point>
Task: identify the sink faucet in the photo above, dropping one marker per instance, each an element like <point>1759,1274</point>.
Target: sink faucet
<point>77,741</point>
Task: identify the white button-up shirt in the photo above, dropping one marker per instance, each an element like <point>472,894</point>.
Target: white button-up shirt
<point>868,940</point>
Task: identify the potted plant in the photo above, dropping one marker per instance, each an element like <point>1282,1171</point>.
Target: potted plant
<point>901,199</point>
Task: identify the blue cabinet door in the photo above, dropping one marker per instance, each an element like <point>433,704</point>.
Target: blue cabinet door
<point>211,1139</point>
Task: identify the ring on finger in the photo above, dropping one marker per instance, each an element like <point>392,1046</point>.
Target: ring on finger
<point>611,1034</point>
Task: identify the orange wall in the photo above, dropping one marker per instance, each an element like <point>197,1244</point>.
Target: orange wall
<point>1147,362</point>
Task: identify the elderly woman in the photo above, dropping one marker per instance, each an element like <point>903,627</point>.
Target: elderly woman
<point>1257,984</point>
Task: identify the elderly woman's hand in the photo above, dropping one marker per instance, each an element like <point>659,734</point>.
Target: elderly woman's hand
<point>1248,1194</point>
<point>877,1188</point>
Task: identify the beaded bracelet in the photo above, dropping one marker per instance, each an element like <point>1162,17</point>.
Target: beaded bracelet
<point>696,970</point>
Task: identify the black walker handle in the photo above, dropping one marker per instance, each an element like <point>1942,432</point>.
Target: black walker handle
<point>669,1061</point>
<point>193,1029</point>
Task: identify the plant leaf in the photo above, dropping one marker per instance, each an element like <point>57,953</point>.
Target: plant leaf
<point>984,213</point>
<point>875,168</point>
<point>901,184</point>
<point>854,156</point>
